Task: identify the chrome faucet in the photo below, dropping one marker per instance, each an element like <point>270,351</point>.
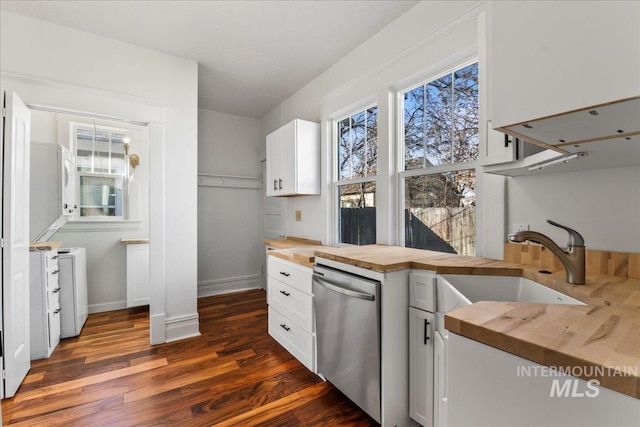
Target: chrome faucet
<point>572,258</point>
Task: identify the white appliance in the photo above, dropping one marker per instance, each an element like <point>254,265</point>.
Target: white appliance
<point>53,189</point>
<point>74,301</point>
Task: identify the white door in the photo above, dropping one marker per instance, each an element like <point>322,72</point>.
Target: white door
<point>273,211</point>
<point>15,234</point>
<point>68,182</point>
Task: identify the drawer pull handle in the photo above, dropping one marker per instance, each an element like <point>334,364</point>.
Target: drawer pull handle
<point>56,271</point>
<point>56,290</point>
<point>285,327</point>
<point>57,311</point>
<point>55,257</point>
<point>285,293</point>
<point>426,331</point>
<point>285,274</point>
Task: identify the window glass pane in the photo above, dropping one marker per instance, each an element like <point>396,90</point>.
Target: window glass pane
<point>414,151</point>
<point>466,136</point>
<point>440,212</point>
<point>357,145</point>
<point>441,120</point>
<point>371,154</point>
<point>101,196</point>
<point>344,148</point>
<point>357,216</point>
<point>438,121</point>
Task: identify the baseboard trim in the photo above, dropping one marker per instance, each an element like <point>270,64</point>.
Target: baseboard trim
<point>232,284</point>
<point>182,327</point>
<point>107,306</point>
<point>158,334</point>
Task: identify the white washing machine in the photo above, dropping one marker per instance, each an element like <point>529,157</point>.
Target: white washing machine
<point>74,300</point>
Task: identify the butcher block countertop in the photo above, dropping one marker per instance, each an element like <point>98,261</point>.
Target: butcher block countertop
<point>294,249</point>
<point>44,246</point>
<point>605,333</point>
<point>593,342</point>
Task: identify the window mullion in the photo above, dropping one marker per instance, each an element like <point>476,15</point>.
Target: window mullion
<point>366,143</point>
<point>424,126</point>
<point>452,118</point>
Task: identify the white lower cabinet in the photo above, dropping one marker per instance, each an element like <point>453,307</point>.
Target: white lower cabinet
<point>138,289</point>
<point>421,381</point>
<point>490,387</point>
<point>291,320</point>
<point>439,380</point>
<point>44,296</point>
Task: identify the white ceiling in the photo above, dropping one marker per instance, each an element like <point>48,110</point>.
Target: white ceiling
<point>252,55</point>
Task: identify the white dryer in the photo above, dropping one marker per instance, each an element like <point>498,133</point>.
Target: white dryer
<point>74,300</point>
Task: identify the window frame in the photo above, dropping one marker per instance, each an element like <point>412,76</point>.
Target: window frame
<point>336,183</point>
<point>403,174</point>
<point>79,174</point>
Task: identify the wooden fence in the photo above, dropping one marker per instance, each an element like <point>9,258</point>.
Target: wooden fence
<point>449,230</point>
<point>454,228</point>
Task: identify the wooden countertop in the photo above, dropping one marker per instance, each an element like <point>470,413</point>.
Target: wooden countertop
<point>598,290</point>
<point>134,241</point>
<point>290,242</point>
<point>605,333</point>
<point>302,255</point>
<point>294,249</point>
<point>592,342</point>
<point>44,246</point>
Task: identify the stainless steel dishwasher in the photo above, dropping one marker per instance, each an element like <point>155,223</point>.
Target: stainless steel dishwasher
<point>347,309</point>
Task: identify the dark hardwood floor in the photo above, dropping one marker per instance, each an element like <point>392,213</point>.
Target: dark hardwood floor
<point>234,374</point>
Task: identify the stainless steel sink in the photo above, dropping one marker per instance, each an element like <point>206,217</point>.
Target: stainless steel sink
<point>454,290</point>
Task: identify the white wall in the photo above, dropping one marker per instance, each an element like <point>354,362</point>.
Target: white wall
<point>90,68</point>
<point>430,37</point>
<point>229,250</point>
<point>601,204</point>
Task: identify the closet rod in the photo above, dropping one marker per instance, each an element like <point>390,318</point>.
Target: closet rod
<point>87,115</point>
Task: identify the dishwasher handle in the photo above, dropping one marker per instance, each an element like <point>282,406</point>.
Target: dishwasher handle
<point>337,287</point>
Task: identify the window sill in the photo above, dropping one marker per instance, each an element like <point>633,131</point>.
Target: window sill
<point>100,225</point>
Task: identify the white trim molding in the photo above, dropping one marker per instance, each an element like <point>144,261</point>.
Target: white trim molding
<point>231,284</point>
<point>229,181</point>
<point>182,327</point>
<point>157,335</point>
<point>107,306</point>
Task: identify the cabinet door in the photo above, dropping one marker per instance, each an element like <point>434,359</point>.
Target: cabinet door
<point>138,290</point>
<point>439,382</point>
<point>274,144</point>
<point>498,150</point>
<point>287,183</point>
<point>421,343</point>
<point>549,57</point>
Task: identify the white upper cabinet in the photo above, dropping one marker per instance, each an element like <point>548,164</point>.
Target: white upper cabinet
<point>293,159</point>
<point>547,58</point>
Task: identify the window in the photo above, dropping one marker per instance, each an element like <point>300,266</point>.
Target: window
<point>102,172</point>
<point>356,139</point>
<point>440,130</point>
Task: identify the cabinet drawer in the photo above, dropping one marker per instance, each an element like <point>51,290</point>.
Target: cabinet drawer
<point>294,304</point>
<point>297,341</point>
<point>422,292</point>
<point>53,279</point>
<point>53,299</point>
<point>291,274</point>
<point>54,329</point>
